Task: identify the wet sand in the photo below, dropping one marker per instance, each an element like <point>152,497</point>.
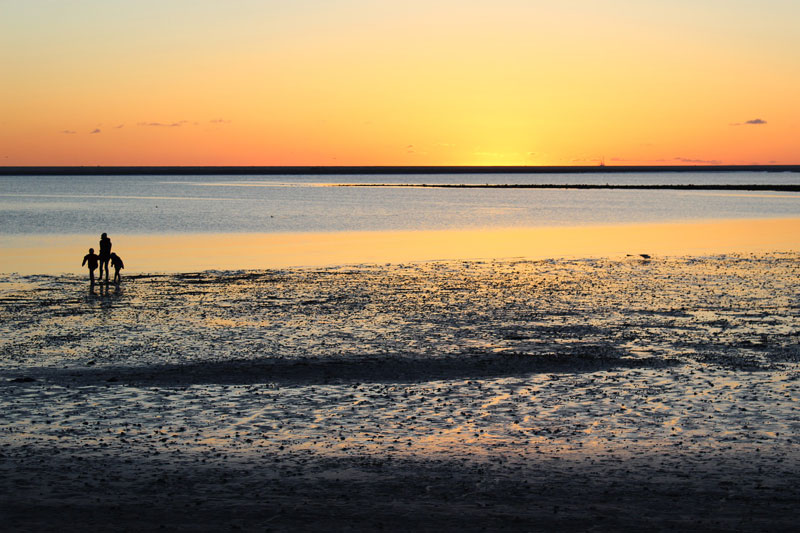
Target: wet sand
<point>602,394</point>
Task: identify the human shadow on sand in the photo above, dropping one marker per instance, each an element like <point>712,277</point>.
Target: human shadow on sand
<point>75,490</point>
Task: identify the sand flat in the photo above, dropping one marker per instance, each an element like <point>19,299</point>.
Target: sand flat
<point>526,395</point>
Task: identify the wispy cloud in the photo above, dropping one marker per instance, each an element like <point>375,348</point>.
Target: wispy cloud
<point>698,161</point>
<point>120,126</point>
<point>220,121</point>
<point>752,122</point>
<point>163,124</point>
<point>69,132</point>
<point>96,130</point>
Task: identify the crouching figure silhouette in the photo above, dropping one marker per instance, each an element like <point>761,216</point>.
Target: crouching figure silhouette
<point>118,265</point>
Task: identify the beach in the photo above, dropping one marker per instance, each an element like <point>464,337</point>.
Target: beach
<point>625,393</point>
<point>399,266</point>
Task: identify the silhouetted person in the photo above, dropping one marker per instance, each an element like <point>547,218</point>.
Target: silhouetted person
<point>91,259</point>
<point>118,265</point>
<point>105,254</point>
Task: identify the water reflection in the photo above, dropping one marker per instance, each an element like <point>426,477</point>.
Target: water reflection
<point>194,252</point>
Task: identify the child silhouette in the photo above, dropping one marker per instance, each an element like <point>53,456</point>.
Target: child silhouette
<point>91,259</point>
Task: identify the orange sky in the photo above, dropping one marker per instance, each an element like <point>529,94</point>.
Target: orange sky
<point>403,83</point>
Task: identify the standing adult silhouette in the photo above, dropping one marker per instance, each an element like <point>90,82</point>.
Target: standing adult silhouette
<point>104,255</point>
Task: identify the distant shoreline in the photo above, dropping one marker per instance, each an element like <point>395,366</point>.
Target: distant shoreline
<point>682,187</point>
<point>334,170</point>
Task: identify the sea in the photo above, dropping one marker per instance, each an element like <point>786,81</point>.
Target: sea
<point>41,213</point>
<point>280,346</point>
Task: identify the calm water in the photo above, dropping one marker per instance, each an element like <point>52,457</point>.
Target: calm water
<point>275,204</point>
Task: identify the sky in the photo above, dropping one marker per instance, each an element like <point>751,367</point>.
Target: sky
<point>417,82</point>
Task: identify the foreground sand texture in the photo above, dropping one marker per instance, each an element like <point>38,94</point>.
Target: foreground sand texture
<point>519,395</point>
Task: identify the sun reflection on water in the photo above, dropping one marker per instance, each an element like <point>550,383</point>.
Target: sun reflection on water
<point>31,254</point>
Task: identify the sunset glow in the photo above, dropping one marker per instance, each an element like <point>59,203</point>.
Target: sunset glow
<point>412,83</point>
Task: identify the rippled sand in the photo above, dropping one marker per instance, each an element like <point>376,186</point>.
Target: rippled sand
<point>526,395</point>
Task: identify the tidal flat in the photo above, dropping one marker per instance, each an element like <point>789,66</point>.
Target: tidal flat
<point>602,394</point>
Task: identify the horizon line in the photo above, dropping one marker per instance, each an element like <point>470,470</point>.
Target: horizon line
<point>66,170</point>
